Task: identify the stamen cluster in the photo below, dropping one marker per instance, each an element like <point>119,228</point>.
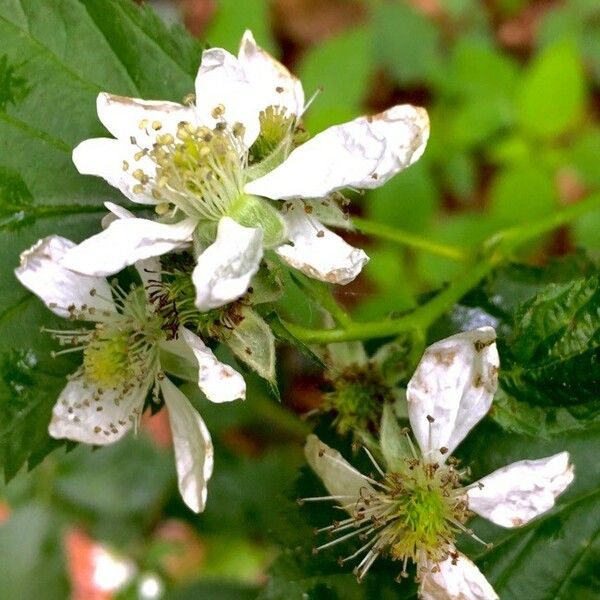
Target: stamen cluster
<point>413,514</point>
<point>198,170</point>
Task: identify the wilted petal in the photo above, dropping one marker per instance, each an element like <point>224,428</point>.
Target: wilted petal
<point>452,389</point>
<point>194,453</point>
<point>278,87</point>
<point>85,414</point>
<point>226,267</point>
<point>516,494</point>
<point>218,381</point>
<point>126,241</point>
<point>317,251</point>
<point>141,119</point>
<point>363,153</point>
<point>459,581</point>
<point>40,271</point>
<point>107,158</point>
<point>222,82</point>
<point>339,477</point>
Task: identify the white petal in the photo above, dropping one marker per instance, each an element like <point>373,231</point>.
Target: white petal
<point>105,158</point>
<point>84,415</point>
<point>40,271</point>
<point>132,117</point>
<point>222,81</point>
<point>118,211</point>
<point>126,241</point>
<point>338,476</point>
<point>363,153</point>
<point>460,581</point>
<point>317,251</point>
<point>452,390</point>
<point>226,267</point>
<point>516,494</point>
<point>277,85</point>
<point>194,453</point>
<point>218,381</point>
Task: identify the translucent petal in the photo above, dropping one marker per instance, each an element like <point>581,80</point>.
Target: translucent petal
<point>452,389</point>
<point>218,381</point>
<point>126,241</point>
<point>83,413</point>
<point>363,153</point>
<point>194,453</point>
<point>516,494</point>
<point>277,85</point>
<point>222,83</point>
<point>317,251</point>
<point>226,267</point>
<point>106,158</point>
<point>338,476</point>
<point>40,271</point>
<point>459,581</point>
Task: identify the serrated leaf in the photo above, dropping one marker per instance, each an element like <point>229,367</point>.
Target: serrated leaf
<point>55,58</point>
<point>552,358</point>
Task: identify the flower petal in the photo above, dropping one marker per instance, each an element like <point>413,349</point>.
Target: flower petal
<point>222,82</point>
<point>40,271</point>
<point>194,453</point>
<point>363,153</point>
<point>452,389</point>
<point>317,251</point>
<point>226,267</point>
<point>218,381</point>
<point>106,158</point>
<point>339,477</point>
<point>142,119</point>
<point>456,578</point>
<point>84,413</point>
<point>115,212</point>
<point>277,85</point>
<point>516,494</point>
<point>126,241</point>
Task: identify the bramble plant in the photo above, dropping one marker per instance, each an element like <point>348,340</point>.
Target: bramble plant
<point>221,257</point>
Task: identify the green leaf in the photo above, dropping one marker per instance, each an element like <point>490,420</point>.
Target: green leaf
<point>520,194</point>
<point>341,97</point>
<point>406,43</point>
<point>552,358</point>
<point>55,58</point>
<point>233,17</point>
<point>36,569</point>
<point>553,94</point>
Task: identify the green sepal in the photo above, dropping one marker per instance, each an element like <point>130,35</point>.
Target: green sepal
<point>252,211</point>
<point>282,333</point>
<point>394,444</point>
<point>253,342</point>
<point>267,284</point>
<point>204,235</point>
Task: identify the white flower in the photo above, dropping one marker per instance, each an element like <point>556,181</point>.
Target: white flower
<point>121,364</point>
<point>212,169</point>
<point>419,505</point>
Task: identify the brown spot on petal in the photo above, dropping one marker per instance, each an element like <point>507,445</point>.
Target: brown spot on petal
<point>480,345</point>
<point>517,522</point>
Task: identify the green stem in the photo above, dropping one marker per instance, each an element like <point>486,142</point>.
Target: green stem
<point>404,238</point>
<point>496,250</point>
